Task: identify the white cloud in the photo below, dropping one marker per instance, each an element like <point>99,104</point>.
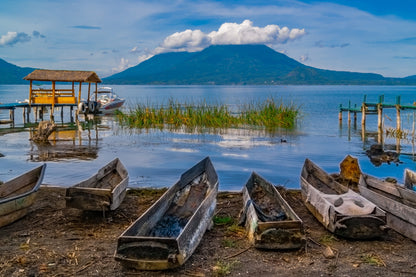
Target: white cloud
<point>246,33</point>
<point>124,64</point>
<point>228,33</point>
<point>11,38</point>
<point>304,58</point>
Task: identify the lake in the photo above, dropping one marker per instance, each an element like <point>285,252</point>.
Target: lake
<point>156,158</point>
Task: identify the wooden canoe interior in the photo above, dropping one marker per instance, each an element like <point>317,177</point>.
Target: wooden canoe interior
<point>321,180</point>
<point>19,185</point>
<point>190,201</point>
<point>265,197</point>
<point>107,177</point>
<point>391,190</point>
<point>181,209</point>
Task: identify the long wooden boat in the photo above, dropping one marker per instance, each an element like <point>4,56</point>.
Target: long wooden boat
<point>395,199</point>
<point>19,194</point>
<point>167,234</point>
<point>408,191</point>
<point>269,220</point>
<point>341,210</point>
<point>103,191</point>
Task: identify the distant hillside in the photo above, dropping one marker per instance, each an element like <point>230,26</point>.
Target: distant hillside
<point>12,74</point>
<point>240,64</point>
<point>413,77</point>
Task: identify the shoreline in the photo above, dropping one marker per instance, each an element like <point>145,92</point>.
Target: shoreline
<point>53,240</point>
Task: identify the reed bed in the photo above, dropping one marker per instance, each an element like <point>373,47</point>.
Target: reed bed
<point>269,114</point>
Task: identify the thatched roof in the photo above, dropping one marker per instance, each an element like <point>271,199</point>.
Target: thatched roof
<point>63,76</point>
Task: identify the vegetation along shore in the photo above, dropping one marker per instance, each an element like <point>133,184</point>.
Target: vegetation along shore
<point>269,114</point>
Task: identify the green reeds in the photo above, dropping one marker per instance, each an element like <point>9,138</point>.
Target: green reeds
<point>269,114</point>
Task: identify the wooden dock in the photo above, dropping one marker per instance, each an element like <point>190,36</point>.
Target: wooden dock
<point>37,108</point>
<point>41,98</point>
<point>375,108</point>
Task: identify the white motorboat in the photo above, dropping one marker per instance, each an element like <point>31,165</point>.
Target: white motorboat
<point>108,100</point>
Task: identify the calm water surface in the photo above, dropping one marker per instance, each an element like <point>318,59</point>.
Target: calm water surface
<point>156,158</point>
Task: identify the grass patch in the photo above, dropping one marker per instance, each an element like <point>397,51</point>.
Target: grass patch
<point>229,243</point>
<point>270,114</point>
<point>236,231</point>
<point>222,268</point>
<point>327,239</point>
<point>372,259</point>
<point>223,220</point>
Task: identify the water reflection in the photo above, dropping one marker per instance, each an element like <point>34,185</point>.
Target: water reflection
<point>70,141</point>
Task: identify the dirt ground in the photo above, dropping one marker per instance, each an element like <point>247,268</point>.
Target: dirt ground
<point>56,241</point>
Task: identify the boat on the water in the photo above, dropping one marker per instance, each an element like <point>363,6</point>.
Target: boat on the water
<point>19,194</point>
<point>341,210</point>
<point>269,220</point>
<point>108,100</point>
<point>398,201</point>
<point>167,234</point>
<point>103,191</point>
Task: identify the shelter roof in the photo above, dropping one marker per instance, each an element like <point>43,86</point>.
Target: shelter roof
<point>63,76</point>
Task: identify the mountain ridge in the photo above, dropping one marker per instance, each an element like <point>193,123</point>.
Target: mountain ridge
<point>11,74</point>
<point>240,65</point>
<point>224,65</point>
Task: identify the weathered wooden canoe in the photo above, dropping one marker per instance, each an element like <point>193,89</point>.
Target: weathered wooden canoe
<point>167,234</point>
<point>270,222</point>
<point>408,192</point>
<point>341,210</point>
<point>103,191</point>
<point>18,194</point>
<point>400,212</point>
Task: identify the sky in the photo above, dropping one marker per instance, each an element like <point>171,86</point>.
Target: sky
<point>107,37</point>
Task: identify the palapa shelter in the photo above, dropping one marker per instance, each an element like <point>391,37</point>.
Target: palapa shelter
<point>54,96</point>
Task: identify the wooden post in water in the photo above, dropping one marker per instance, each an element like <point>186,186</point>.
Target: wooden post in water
<point>355,114</point>
<point>380,120</point>
<point>71,108</point>
<point>380,113</point>
<point>11,114</point>
<point>398,120</point>
<point>340,113</point>
<point>29,109</point>
<point>363,109</point>
<point>349,112</point>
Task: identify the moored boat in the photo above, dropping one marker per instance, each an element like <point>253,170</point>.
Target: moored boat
<point>395,199</point>
<point>103,191</point>
<point>108,100</point>
<point>269,220</point>
<point>341,210</point>
<point>19,194</point>
<point>167,234</point>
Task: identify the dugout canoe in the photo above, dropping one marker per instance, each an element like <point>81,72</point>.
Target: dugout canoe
<point>395,199</point>
<point>167,234</point>
<point>19,194</point>
<point>104,191</point>
<point>342,211</point>
<point>269,220</point>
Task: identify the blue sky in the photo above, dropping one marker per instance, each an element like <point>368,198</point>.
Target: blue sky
<point>106,36</point>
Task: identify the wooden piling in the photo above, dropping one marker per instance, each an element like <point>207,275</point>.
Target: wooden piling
<point>363,109</point>
<point>380,116</point>
<point>398,119</point>
<point>340,113</point>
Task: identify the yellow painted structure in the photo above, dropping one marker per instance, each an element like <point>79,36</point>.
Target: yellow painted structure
<point>53,95</point>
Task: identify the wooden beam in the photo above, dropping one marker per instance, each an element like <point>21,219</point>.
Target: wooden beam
<point>79,92</point>
<point>30,92</point>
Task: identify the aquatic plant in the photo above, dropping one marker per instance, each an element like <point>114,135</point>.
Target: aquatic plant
<point>270,114</point>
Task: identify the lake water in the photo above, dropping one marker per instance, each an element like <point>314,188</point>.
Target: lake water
<point>156,158</point>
